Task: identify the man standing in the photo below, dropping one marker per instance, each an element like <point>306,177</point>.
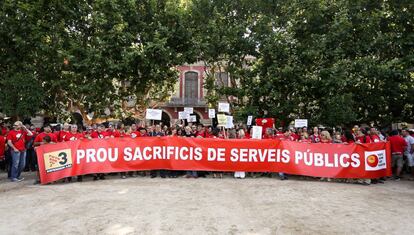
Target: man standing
<point>409,150</point>
<point>398,146</point>
<point>16,139</point>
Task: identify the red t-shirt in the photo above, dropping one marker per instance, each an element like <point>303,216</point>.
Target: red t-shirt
<point>2,146</point>
<point>4,131</point>
<point>308,141</point>
<point>201,133</point>
<point>364,139</point>
<point>18,139</point>
<point>39,137</point>
<point>62,135</point>
<point>375,139</point>
<point>398,144</point>
<point>99,135</point>
<point>315,138</point>
<point>115,134</point>
<point>294,137</point>
<point>135,134</point>
<point>73,136</point>
<point>265,123</point>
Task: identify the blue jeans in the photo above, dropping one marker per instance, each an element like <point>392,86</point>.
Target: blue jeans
<point>18,163</point>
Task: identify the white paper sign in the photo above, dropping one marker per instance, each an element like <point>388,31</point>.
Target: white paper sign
<point>257,132</point>
<point>153,114</point>
<point>301,123</point>
<point>229,122</point>
<point>188,110</point>
<point>249,120</point>
<point>224,107</point>
<point>192,118</point>
<point>211,113</point>
<point>183,115</point>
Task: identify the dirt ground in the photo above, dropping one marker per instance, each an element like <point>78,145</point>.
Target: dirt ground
<point>205,206</point>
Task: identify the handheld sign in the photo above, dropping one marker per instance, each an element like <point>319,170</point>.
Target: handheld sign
<point>183,115</point>
<point>257,132</point>
<point>188,110</point>
<point>301,123</point>
<point>192,118</point>
<point>229,122</point>
<point>224,107</point>
<point>221,119</point>
<point>153,114</point>
<point>211,113</point>
<point>249,120</point>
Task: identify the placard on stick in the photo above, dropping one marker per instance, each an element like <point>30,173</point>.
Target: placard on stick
<point>153,114</point>
<point>224,107</point>
<point>189,110</point>
<point>211,113</point>
<point>183,115</point>
<point>257,132</point>
<point>229,122</point>
<point>301,123</point>
<point>221,119</point>
<point>249,120</point>
<point>192,118</point>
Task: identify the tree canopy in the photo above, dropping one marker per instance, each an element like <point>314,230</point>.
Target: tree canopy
<point>334,62</point>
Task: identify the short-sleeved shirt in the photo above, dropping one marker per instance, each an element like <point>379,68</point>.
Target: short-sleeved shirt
<point>39,137</point>
<point>410,141</point>
<point>2,146</point>
<point>73,136</point>
<point>398,144</point>
<point>18,138</point>
<point>99,135</point>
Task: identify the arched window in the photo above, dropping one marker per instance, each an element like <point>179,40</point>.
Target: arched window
<point>191,87</point>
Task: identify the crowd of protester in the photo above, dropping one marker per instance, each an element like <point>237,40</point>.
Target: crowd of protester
<point>17,144</point>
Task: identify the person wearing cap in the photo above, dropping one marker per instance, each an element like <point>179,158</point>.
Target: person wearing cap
<point>16,139</point>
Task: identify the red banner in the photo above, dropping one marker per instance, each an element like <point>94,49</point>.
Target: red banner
<point>80,157</point>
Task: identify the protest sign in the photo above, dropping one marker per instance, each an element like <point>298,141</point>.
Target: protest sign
<point>224,107</point>
<point>82,157</point>
<point>153,114</point>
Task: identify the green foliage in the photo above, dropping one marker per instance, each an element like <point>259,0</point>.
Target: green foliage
<point>331,61</point>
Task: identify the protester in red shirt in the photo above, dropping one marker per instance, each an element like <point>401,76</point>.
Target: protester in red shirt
<point>326,137</point>
<point>349,137</point>
<point>268,134</point>
<point>100,133</point>
<point>304,138</point>
<point>362,137</point>
<point>47,131</point>
<point>398,145</point>
<point>134,131</point>
<point>315,137</point>
<point>2,147</point>
<point>62,133</point>
<point>73,134</point>
<point>373,134</point>
<point>293,135</point>
<point>16,139</point>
